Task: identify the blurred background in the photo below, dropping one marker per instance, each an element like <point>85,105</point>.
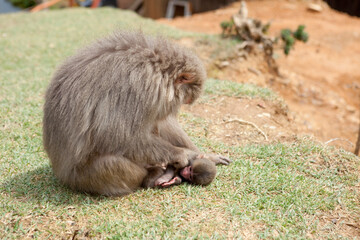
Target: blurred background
<point>157,8</point>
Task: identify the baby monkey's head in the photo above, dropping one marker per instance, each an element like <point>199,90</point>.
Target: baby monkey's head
<point>201,171</point>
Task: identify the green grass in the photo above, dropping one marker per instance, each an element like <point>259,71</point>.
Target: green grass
<point>280,190</point>
<point>238,90</point>
<point>220,49</point>
<point>215,88</point>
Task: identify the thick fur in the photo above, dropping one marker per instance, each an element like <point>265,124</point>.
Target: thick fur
<point>104,104</point>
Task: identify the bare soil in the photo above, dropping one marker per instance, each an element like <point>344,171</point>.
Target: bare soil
<point>237,121</point>
<point>320,80</point>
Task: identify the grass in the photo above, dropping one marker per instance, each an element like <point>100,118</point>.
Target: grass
<point>283,191</point>
<point>238,90</point>
<point>221,49</point>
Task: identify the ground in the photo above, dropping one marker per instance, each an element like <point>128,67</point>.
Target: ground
<point>320,80</point>
<point>288,187</point>
<point>241,121</point>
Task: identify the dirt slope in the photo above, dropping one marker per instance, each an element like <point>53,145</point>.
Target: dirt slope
<point>321,79</point>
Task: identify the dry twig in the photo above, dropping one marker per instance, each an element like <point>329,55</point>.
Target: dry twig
<point>241,121</point>
<point>339,139</point>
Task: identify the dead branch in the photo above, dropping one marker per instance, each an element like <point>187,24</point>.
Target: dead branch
<point>339,139</point>
<point>241,121</point>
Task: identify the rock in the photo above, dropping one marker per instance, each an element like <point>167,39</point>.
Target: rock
<point>254,70</point>
<point>314,7</point>
<point>261,115</point>
<point>350,109</point>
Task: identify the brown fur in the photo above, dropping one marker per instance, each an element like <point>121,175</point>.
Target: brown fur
<point>110,112</point>
<point>157,174</point>
<point>204,171</point>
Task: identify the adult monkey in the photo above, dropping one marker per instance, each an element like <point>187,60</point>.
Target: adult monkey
<point>110,112</point>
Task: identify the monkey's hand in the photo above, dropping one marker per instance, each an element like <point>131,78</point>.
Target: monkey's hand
<point>217,159</point>
<point>184,159</point>
<point>175,181</point>
<point>180,162</point>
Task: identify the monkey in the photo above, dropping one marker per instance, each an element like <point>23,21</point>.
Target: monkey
<point>158,176</point>
<point>200,171</point>
<point>110,110</point>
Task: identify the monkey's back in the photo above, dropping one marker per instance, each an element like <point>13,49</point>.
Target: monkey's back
<point>94,105</point>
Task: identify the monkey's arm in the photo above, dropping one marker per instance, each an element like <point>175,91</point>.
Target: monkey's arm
<point>159,177</point>
<point>169,178</point>
<point>217,159</point>
<point>175,181</point>
<point>158,152</point>
<point>171,131</point>
<point>154,173</point>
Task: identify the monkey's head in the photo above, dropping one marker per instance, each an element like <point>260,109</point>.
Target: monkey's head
<point>181,72</point>
<point>201,171</point>
<point>189,79</point>
<point>155,73</point>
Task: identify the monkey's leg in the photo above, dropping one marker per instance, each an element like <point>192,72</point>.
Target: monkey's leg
<point>109,175</point>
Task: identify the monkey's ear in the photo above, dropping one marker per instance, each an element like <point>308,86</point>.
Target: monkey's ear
<point>184,78</point>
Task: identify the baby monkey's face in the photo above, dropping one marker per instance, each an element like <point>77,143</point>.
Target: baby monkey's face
<point>201,171</point>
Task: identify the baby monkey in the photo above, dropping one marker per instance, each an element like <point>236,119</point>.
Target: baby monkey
<point>200,171</point>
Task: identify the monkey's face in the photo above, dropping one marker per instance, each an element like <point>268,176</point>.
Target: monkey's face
<point>189,78</point>
<point>189,87</point>
<point>201,171</point>
<point>181,72</point>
